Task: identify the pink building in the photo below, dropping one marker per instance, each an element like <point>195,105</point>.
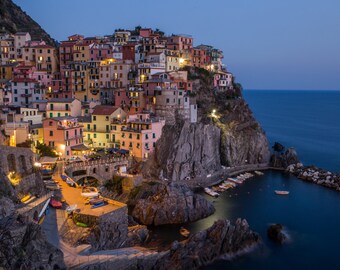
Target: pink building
<point>179,42</point>
<point>64,134</point>
<point>141,134</point>
<point>100,51</point>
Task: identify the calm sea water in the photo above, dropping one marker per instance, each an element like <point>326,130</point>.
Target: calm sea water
<point>309,121</point>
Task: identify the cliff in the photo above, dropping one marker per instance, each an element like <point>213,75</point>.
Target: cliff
<point>13,19</point>
<point>226,134</point>
<point>160,204</point>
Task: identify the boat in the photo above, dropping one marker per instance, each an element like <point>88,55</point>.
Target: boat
<point>234,180</point>
<point>98,205</point>
<point>184,232</point>
<point>281,192</point>
<point>63,177</point>
<point>258,173</point>
<point>89,192</point>
<point>41,219</point>
<point>211,192</point>
<point>55,203</point>
<point>81,224</point>
<point>224,187</point>
<point>26,198</point>
<point>71,208</point>
<point>52,187</point>
<point>95,201</point>
<point>230,183</point>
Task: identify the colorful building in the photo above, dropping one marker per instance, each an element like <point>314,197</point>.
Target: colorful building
<point>63,134</point>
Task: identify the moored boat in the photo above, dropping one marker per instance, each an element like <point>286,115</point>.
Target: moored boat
<point>89,192</point>
<point>281,192</point>
<point>98,205</point>
<point>26,198</point>
<point>210,192</point>
<point>55,203</point>
<point>71,208</point>
<point>258,173</point>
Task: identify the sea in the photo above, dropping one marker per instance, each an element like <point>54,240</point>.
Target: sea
<point>309,121</point>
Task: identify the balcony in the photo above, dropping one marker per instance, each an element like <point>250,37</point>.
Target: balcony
<point>26,95</point>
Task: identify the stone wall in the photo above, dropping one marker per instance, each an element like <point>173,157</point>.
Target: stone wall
<point>16,159</point>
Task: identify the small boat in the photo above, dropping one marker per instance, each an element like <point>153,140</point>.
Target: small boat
<point>95,201</point>
<point>71,208</point>
<point>258,173</point>
<point>230,183</point>
<point>63,177</point>
<point>184,232</point>
<point>224,187</point>
<point>236,181</point>
<point>41,219</point>
<point>281,192</point>
<point>80,224</point>
<point>52,187</point>
<point>89,192</point>
<point>26,198</point>
<point>211,192</point>
<point>55,204</point>
<point>98,205</point>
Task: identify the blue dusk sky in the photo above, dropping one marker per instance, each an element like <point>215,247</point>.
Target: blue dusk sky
<point>267,44</point>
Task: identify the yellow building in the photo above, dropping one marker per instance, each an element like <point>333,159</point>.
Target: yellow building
<point>36,135</point>
<point>98,129</point>
<point>43,57</point>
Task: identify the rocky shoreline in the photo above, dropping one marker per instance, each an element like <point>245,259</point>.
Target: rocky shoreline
<point>315,175</point>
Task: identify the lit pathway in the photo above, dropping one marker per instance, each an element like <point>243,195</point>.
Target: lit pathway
<point>79,257</point>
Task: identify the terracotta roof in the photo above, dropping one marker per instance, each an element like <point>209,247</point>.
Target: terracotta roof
<point>24,80</point>
<point>104,110</point>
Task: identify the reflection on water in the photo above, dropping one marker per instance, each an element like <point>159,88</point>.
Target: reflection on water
<point>310,214</point>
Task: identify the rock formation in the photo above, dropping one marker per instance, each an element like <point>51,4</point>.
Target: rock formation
<point>160,204</point>
<point>194,150</point>
<point>221,240</point>
<point>315,175</point>
<point>282,159</point>
<point>228,137</point>
<point>275,233</point>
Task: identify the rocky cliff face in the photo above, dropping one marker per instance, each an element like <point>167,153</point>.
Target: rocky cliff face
<point>222,239</point>
<point>13,19</point>
<point>169,204</point>
<point>187,151</point>
<point>226,134</point>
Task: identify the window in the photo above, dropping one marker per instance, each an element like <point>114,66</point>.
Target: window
<point>94,135</point>
<point>51,115</point>
<point>94,118</point>
<point>51,133</point>
<point>123,143</point>
<point>138,136</point>
<point>51,107</point>
<point>94,127</point>
<point>154,135</point>
<point>50,123</point>
<point>107,136</point>
<point>146,136</point>
<point>130,144</point>
<point>66,107</point>
<point>154,144</point>
<point>130,136</point>
<point>88,126</point>
<point>15,99</point>
<point>167,100</point>
<point>146,146</point>
<point>15,91</point>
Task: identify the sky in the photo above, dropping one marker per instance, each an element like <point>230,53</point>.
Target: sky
<point>267,44</point>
